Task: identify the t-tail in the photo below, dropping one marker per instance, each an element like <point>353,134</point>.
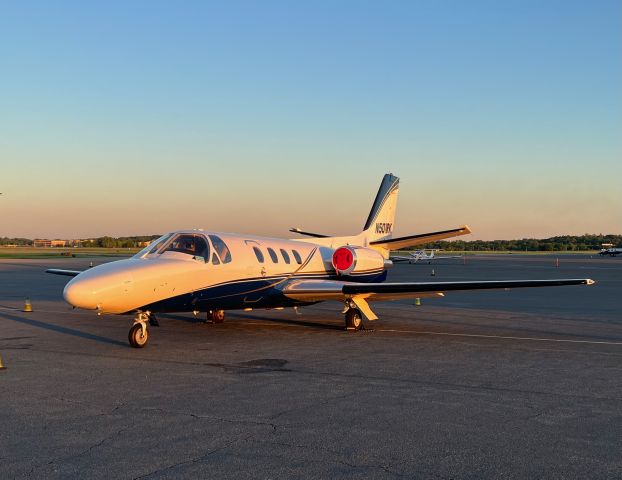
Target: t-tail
<point>378,229</point>
<point>381,219</point>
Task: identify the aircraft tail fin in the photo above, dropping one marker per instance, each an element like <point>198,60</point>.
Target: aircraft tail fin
<point>378,229</point>
<point>381,219</point>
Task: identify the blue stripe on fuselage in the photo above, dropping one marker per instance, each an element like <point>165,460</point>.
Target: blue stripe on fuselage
<point>249,293</point>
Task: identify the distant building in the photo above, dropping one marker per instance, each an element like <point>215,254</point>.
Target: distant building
<point>41,242</point>
<point>143,244</point>
<point>44,242</point>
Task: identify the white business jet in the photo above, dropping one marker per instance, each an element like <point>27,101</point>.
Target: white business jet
<point>201,271</point>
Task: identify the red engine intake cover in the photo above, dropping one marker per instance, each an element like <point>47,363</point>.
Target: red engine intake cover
<point>343,258</point>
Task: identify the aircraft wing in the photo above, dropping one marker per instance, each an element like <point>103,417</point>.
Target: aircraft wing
<point>412,240</point>
<point>59,271</point>
<point>319,290</point>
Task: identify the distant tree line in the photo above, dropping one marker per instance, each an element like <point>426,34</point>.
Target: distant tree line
<point>553,244</point>
<point>104,242</point>
<point>22,242</point>
<point>120,242</point>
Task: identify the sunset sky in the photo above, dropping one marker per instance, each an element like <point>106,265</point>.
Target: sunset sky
<point>131,118</point>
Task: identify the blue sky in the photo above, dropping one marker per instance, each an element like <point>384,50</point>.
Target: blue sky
<point>142,117</point>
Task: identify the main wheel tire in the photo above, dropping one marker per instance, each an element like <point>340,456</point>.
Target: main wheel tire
<point>218,316</point>
<point>354,319</point>
<point>136,337</point>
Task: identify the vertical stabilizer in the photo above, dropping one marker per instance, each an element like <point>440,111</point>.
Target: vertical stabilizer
<point>381,219</point>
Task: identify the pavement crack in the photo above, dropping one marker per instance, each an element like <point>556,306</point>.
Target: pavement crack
<point>81,453</point>
<point>198,459</point>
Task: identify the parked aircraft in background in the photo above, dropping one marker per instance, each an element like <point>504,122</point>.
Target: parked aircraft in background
<point>201,271</point>
<point>612,252</point>
<point>425,255</point>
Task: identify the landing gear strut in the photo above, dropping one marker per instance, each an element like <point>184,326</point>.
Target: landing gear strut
<point>354,319</point>
<point>216,316</point>
<point>139,335</point>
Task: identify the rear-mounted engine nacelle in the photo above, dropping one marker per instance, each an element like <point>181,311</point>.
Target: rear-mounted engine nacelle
<point>354,260</point>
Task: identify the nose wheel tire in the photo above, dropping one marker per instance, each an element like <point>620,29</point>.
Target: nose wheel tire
<point>354,319</point>
<point>137,337</point>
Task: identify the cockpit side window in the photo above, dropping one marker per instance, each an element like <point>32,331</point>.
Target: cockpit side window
<point>153,246</point>
<point>221,248</point>
<point>191,244</point>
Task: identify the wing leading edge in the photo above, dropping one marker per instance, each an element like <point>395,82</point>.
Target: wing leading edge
<point>59,271</point>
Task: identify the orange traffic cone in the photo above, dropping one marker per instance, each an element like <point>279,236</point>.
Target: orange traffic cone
<point>27,306</point>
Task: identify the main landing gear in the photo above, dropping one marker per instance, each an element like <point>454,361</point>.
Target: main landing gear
<point>139,335</point>
<point>215,316</point>
<point>354,319</point>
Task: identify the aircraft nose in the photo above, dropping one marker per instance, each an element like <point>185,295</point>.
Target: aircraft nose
<point>105,288</point>
<point>79,294</point>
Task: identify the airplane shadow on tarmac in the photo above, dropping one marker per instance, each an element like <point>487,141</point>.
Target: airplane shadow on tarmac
<point>59,329</point>
<point>237,316</point>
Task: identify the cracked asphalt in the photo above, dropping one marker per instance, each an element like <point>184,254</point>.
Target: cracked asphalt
<point>519,384</point>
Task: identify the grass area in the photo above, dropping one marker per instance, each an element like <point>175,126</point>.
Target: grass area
<point>34,252</point>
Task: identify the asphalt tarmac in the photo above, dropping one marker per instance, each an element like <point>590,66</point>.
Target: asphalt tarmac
<point>498,384</point>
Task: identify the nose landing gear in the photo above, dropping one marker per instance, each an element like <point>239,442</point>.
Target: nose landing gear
<point>139,335</point>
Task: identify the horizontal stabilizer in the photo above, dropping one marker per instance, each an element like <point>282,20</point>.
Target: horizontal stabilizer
<point>308,234</point>
<point>68,273</point>
<point>412,240</point>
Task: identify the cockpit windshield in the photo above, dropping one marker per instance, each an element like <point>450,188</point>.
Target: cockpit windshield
<point>153,246</point>
<point>189,243</point>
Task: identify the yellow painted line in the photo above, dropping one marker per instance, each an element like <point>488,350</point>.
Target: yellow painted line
<point>475,335</point>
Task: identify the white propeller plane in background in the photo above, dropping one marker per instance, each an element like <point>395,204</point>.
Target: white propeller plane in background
<point>426,255</point>
<point>201,271</point>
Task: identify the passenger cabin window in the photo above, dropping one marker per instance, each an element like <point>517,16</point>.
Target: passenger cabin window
<point>285,256</point>
<point>297,257</point>
<point>215,260</point>
<point>221,248</point>
<point>258,254</point>
<point>273,256</point>
<point>195,245</point>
